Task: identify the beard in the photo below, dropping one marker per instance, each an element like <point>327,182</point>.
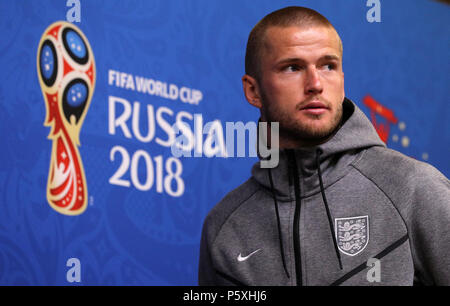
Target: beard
<point>293,130</point>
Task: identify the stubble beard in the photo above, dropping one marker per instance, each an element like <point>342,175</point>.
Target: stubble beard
<point>294,131</point>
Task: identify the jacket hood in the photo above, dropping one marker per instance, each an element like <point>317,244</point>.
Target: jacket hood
<point>356,133</point>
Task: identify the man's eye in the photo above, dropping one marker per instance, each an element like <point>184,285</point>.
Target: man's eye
<point>330,66</point>
<point>292,68</point>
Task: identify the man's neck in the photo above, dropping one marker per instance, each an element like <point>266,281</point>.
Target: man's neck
<point>302,143</point>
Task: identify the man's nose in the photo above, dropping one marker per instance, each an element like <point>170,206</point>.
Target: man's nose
<point>313,83</point>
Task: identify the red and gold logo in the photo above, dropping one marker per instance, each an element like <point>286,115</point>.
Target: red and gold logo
<point>66,71</point>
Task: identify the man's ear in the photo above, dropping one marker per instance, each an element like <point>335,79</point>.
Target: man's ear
<point>252,91</point>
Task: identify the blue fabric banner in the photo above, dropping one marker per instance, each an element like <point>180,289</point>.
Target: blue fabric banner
<point>94,93</point>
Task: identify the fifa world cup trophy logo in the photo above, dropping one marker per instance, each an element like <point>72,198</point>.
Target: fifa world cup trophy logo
<point>66,71</point>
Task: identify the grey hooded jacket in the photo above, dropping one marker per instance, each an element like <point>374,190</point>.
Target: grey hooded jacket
<point>370,216</point>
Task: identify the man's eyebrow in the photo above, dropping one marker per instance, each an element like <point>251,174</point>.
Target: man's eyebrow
<point>290,60</point>
<point>328,57</point>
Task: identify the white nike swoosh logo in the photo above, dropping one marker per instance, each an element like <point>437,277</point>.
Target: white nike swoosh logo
<point>240,258</point>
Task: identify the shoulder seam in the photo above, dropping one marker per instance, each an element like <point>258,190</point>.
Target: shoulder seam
<point>387,196</point>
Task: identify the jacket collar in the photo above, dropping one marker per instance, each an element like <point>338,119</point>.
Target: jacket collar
<point>356,133</point>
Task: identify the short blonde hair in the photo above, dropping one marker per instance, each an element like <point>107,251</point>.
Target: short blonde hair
<point>285,17</point>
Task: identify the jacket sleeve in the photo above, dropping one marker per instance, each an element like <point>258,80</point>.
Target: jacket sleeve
<point>206,273</point>
<point>428,220</point>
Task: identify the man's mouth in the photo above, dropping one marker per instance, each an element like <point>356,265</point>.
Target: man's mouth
<point>314,108</point>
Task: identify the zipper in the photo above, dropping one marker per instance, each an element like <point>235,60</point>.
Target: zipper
<point>297,256</point>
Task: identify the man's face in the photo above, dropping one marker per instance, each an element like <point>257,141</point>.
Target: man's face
<point>302,83</point>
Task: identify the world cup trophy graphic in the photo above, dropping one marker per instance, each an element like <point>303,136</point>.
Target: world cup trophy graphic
<point>66,71</point>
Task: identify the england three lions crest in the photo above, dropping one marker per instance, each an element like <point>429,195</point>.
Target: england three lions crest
<point>352,234</point>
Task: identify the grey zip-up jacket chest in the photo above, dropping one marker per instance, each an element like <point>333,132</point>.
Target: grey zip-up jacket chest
<point>379,218</point>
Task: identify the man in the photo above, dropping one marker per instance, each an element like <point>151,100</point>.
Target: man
<point>340,208</point>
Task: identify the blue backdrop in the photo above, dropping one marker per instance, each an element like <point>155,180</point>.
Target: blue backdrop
<point>138,233</point>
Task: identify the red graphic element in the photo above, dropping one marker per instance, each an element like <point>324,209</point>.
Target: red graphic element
<point>54,31</point>
<point>91,73</point>
<point>59,69</point>
<point>377,109</point>
<point>66,178</point>
<point>66,171</point>
<point>67,67</point>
